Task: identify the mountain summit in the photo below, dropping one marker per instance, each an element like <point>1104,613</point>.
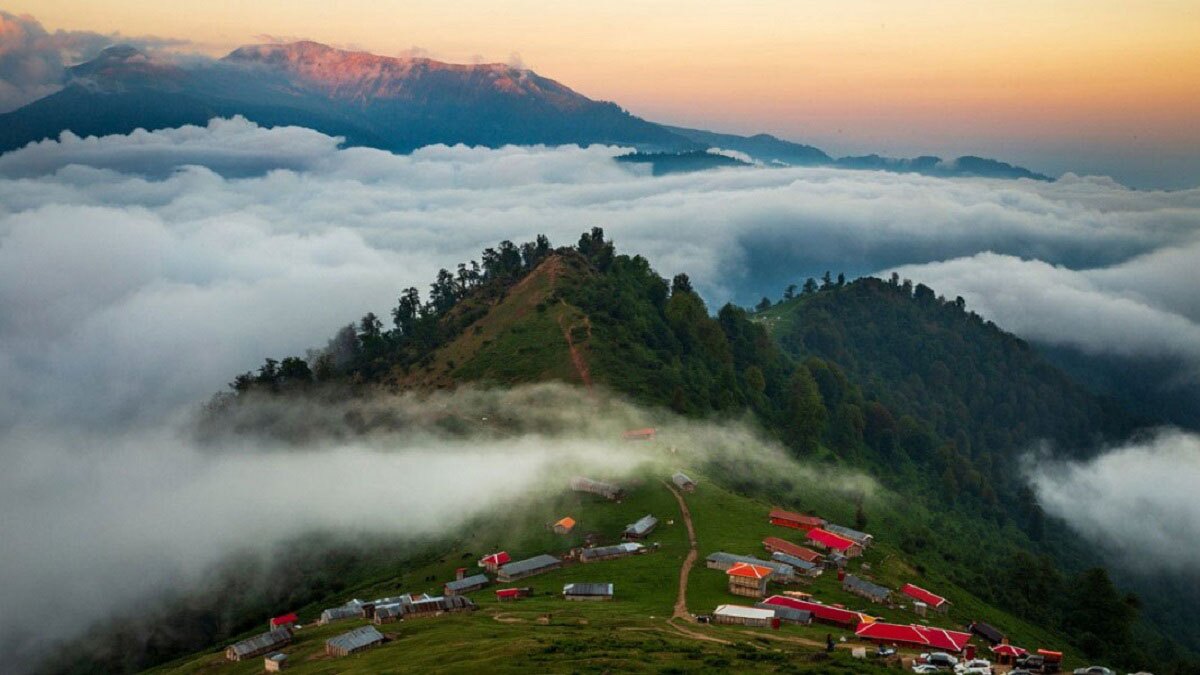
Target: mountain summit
<point>396,104</point>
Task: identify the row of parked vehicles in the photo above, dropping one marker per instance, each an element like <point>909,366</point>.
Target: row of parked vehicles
<point>941,662</point>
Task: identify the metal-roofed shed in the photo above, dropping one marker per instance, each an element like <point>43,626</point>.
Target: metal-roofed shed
<point>258,645</point>
<point>642,528</point>
<point>528,567</point>
<point>354,641</point>
<point>588,591</point>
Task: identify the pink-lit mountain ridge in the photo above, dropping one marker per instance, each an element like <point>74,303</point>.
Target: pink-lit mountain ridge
<point>392,103</point>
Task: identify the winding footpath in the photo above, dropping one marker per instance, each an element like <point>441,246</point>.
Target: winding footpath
<point>681,609</point>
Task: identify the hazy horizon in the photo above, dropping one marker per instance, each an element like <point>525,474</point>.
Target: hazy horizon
<point>1101,89</point>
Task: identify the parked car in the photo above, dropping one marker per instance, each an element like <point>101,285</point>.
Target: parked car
<point>940,659</point>
<point>1036,663</point>
<point>1019,671</point>
<point>925,668</point>
<point>974,667</point>
<point>883,651</point>
<point>1094,670</point>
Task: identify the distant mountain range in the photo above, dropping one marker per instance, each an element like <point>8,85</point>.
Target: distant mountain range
<point>396,104</point>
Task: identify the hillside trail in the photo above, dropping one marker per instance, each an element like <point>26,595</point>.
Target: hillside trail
<point>580,363</point>
<point>681,609</point>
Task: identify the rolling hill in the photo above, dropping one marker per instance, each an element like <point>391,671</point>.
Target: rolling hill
<point>867,376</point>
<point>392,103</point>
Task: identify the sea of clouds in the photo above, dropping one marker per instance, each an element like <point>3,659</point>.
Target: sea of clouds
<point>139,273</point>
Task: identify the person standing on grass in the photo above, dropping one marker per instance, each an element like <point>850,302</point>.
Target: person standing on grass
<point>829,642</point>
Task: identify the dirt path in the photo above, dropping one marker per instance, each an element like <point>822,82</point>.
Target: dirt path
<point>577,359</point>
<point>681,609</point>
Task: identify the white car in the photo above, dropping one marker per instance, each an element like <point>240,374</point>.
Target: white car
<point>974,667</point>
<point>939,659</point>
<point>925,668</point>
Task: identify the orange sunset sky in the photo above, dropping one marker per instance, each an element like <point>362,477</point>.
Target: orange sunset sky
<point>1096,86</point>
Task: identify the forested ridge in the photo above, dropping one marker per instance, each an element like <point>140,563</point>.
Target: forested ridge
<point>935,402</point>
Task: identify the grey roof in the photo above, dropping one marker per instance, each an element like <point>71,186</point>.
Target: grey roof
<point>782,569</point>
<point>680,478</point>
<point>792,560</point>
<point>788,613</point>
<point>467,582</point>
<point>278,656</point>
<point>537,562</point>
<point>988,632</point>
<point>356,639</point>
<point>343,612</point>
<point>848,533</point>
<point>588,589</point>
<point>440,603</point>
<point>262,641</point>
<point>594,486</point>
<point>642,526</point>
<point>866,587</point>
<point>605,551</point>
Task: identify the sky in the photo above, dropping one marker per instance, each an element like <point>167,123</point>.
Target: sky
<point>1098,87</point>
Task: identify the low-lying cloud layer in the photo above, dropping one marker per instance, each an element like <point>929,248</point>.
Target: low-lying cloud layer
<point>137,273</point>
<point>1137,502</point>
<point>104,523</point>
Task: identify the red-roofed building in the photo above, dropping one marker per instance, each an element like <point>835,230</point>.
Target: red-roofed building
<point>513,593</point>
<point>288,621</point>
<point>1007,654</point>
<point>796,521</point>
<point>834,542</point>
<point>495,560</point>
<point>777,545</point>
<point>748,580</point>
<point>646,434</point>
<point>919,594</point>
<point>925,637</point>
<point>820,612</point>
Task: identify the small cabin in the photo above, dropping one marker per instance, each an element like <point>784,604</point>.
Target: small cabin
<point>748,580</point>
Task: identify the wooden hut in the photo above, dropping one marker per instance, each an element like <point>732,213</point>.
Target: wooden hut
<point>748,580</point>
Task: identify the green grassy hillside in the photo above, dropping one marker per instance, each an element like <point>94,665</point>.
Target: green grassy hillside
<point>636,632</point>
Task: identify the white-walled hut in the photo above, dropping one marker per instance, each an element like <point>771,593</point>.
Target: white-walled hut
<point>260,644</point>
<point>273,663</point>
<point>357,640</point>
<point>742,615</point>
